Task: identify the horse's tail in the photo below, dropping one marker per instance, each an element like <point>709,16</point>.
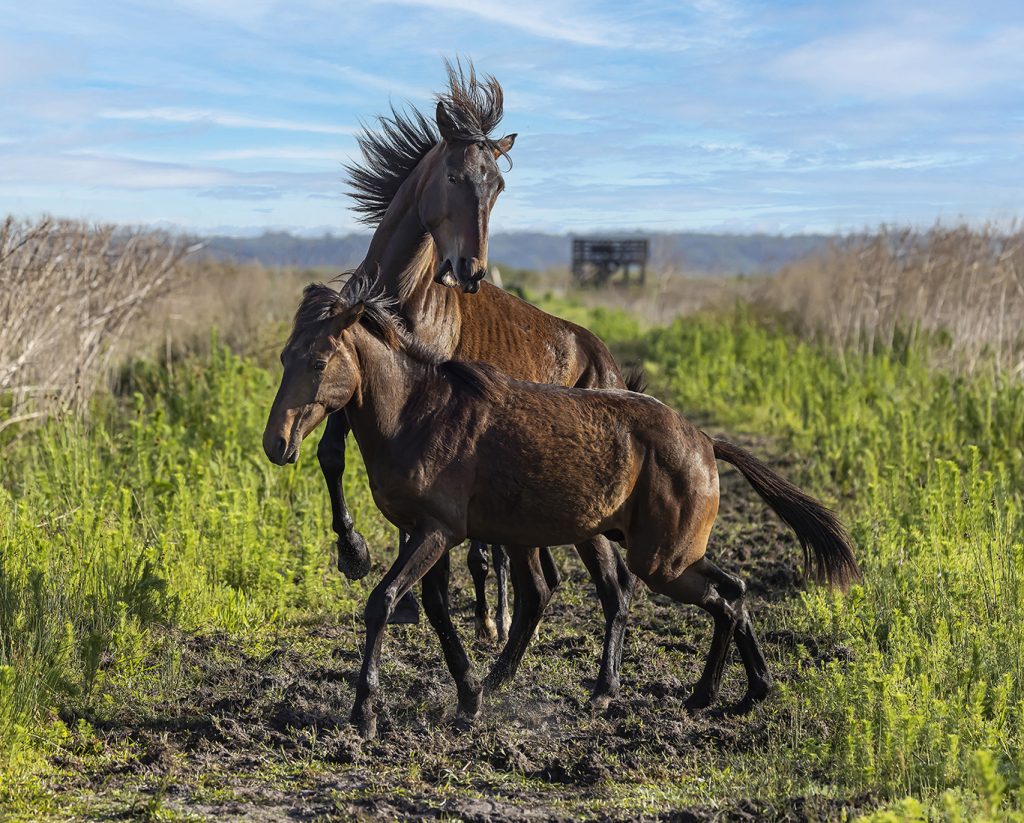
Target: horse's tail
<point>636,380</point>
<point>828,548</point>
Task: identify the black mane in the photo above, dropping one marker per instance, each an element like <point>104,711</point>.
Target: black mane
<point>474,107</point>
<point>320,302</point>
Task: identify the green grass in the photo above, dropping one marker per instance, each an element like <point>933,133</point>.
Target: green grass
<point>159,516</point>
<point>160,512</point>
<point>927,470</point>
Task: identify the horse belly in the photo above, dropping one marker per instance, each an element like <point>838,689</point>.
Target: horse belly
<point>562,492</point>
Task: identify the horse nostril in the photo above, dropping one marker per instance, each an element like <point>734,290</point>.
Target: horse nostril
<point>282,444</point>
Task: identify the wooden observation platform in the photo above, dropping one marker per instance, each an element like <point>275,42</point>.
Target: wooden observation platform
<point>595,261</point>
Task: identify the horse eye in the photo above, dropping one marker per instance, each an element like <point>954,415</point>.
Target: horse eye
<point>319,365</point>
<point>451,179</point>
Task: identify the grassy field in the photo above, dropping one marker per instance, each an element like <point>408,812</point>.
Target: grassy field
<point>174,641</point>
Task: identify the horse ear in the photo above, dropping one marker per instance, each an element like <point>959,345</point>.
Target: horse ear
<point>344,319</point>
<point>444,121</point>
<point>504,146</point>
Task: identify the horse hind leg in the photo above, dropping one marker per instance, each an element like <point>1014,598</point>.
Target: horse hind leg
<point>502,615</point>
<point>407,610</point>
<point>486,631</point>
<point>614,584</point>
<point>699,587</point>
<point>534,579</point>
<point>436,605</point>
<point>759,679</point>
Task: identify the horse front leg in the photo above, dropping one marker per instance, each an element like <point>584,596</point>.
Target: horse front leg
<point>615,584</point>
<point>436,605</point>
<point>422,550</point>
<point>353,555</point>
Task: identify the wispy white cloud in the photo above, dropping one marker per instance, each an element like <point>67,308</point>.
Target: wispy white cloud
<point>366,79</point>
<point>242,12</point>
<point>224,119</point>
<point>120,172</point>
<point>275,153</point>
<point>24,64</point>
<point>578,24</point>
<point>894,63</point>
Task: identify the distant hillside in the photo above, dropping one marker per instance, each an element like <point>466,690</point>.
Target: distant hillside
<point>691,253</point>
<point>283,249</point>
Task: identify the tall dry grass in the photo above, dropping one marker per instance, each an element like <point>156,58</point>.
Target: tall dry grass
<point>76,301</point>
<point>887,289</point>
<point>69,295</point>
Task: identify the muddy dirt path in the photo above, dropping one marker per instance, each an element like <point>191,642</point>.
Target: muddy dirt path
<point>263,735</point>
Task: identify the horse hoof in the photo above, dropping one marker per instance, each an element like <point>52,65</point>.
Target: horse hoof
<point>493,682</point>
<point>406,611</point>
<point>697,701</point>
<point>486,631</point>
<point>353,556</point>
<point>755,694</point>
<point>463,724</point>
<point>366,725</point>
<point>602,696</point>
<point>465,720</point>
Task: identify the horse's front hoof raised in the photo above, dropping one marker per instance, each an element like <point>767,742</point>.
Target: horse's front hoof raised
<point>353,555</point>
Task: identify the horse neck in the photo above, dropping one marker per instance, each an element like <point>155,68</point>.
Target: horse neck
<point>401,248</point>
<point>388,380</point>
<point>404,253</point>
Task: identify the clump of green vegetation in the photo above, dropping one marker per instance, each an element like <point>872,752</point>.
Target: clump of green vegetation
<point>158,512</point>
<point>928,470</point>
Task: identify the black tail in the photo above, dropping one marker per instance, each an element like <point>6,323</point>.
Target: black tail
<point>636,380</point>
<point>828,549</point>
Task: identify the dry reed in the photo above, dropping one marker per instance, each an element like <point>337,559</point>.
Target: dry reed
<point>69,294</point>
<point>77,301</point>
<point>961,284</point>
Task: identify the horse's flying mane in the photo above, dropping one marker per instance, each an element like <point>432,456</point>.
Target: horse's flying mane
<point>474,106</point>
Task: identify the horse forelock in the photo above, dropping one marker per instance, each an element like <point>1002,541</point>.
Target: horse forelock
<point>474,105</point>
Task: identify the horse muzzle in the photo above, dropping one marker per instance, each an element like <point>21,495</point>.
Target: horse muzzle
<point>280,451</point>
<point>465,273</point>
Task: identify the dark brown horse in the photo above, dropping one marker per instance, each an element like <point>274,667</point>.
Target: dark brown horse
<point>430,187</point>
<point>456,450</point>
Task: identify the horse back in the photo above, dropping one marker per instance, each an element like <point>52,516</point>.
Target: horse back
<point>529,344</point>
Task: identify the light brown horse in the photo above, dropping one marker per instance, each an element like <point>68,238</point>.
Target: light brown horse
<point>456,450</point>
<point>430,188</point>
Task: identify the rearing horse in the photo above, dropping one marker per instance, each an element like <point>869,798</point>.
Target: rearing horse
<point>430,188</point>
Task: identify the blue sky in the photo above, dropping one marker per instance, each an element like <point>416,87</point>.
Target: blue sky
<point>704,115</point>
